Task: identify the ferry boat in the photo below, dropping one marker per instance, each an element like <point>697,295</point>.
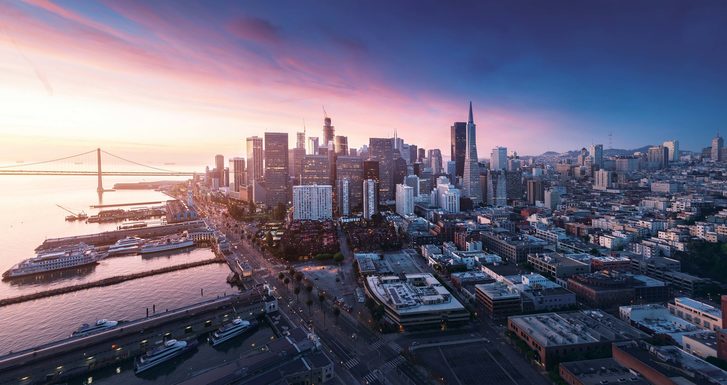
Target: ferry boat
<point>159,355</point>
<point>126,246</point>
<point>166,245</point>
<point>100,325</point>
<point>76,256</point>
<point>233,329</point>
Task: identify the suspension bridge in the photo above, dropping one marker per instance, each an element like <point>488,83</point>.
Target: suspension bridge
<point>78,164</point>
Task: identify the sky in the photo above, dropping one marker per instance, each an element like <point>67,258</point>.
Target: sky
<point>179,81</point>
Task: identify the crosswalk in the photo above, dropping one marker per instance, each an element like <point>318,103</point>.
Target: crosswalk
<point>391,364</point>
<point>377,344</point>
<point>371,378</point>
<point>394,346</point>
<point>351,363</point>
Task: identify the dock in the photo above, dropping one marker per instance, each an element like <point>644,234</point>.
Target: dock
<point>127,204</point>
<point>110,237</point>
<point>62,360</point>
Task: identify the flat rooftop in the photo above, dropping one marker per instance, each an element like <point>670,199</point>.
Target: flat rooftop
<point>602,371</point>
<point>415,293</point>
<point>574,328</point>
<point>700,306</point>
<point>498,291</point>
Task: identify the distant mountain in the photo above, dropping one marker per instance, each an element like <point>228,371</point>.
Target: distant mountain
<point>608,152</point>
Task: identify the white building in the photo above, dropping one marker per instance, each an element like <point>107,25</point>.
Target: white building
<point>552,198</point>
<point>446,196</point>
<point>312,202</point>
<point>673,146</point>
<point>602,180</point>
<point>404,200</point>
<point>498,158</point>
<point>370,198</point>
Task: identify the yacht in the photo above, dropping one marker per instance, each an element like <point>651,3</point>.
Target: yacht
<point>127,245</point>
<point>166,245</point>
<point>100,325</point>
<point>159,355</point>
<point>233,329</point>
<point>76,256</point>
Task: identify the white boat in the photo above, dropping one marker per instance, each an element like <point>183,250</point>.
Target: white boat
<point>127,245</point>
<point>100,325</point>
<point>166,245</point>
<point>159,355</point>
<point>233,329</point>
<point>76,256</point>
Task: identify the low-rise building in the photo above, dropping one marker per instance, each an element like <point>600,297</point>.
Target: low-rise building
<point>557,265</point>
<point>606,289</point>
<point>598,372</point>
<point>702,344</point>
<point>567,336</point>
<point>513,248</point>
<point>416,301</point>
<point>699,313</point>
<point>657,320</point>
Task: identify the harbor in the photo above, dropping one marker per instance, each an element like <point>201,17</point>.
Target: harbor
<point>71,357</point>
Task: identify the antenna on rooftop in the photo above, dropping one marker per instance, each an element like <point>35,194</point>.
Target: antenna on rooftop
<point>325,114</point>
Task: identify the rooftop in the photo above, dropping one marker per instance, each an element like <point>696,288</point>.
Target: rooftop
<point>414,293</point>
<point>700,306</point>
<point>577,327</point>
<point>602,371</point>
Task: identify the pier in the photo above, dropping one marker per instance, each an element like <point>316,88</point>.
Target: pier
<point>106,282</point>
<point>109,237</point>
<point>61,360</point>
<point>126,204</point>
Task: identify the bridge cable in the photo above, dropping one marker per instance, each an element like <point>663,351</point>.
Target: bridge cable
<point>47,161</point>
<point>137,163</point>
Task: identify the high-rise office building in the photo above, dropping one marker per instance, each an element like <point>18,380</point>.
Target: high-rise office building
<point>300,139</point>
<point>413,150</point>
<point>341,145</point>
<point>452,169</point>
<point>220,168</point>
<point>658,157</point>
<point>276,167</point>
<point>350,168</point>
<point>328,131</point>
<point>312,146</point>
<point>498,158</point>
<point>315,170</point>
<point>673,147</point>
<point>413,182</point>
<point>254,159</point>
<point>237,174</point>
<point>399,171</point>
<point>446,196</point>
<point>435,160</point>
<point>295,162</point>
<point>343,196</point>
<point>602,180</point>
<point>496,188</point>
<point>404,200</point>
<point>352,152</point>
<point>381,149</point>
<point>312,202</point>
<point>458,147</point>
<point>471,177</point>
<point>552,198</point>
<point>717,144</point>
<point>370,198</point>
<point>596,152</point>
<point>371,169</point>
<point>422,153</point>
<point>536,191</point>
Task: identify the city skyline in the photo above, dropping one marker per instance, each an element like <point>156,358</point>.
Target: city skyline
<point>143,76</point>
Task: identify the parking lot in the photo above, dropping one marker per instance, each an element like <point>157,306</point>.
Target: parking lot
<point>403,262</point>
<point>468,364</point>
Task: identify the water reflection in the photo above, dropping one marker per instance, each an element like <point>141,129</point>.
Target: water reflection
<point>57,276</point>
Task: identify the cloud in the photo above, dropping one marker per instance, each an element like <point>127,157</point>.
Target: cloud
<point>255,29</point>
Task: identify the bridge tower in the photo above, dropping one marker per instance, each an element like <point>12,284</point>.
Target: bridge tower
<point>98,159</point>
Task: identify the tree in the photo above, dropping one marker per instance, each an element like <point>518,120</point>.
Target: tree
<point>269,239</point>
<point>321,299</point>
<point>296,291</point>
<point>281,276</point>
<point>309,302</point>
<point>336,313</point>
<point>309,289</point>
<point>286,281</point>
<point>298,276</point>
<point>338,257</point>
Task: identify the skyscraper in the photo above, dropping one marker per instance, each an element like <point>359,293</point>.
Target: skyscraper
<point>341,145</point>
<point>343,195</point>
<point>315,170</point>
<point>295,161</point>
<point>673,146</point>
<point>596,152</point>
<point>312,146</point>
<point>471,177</point>
<point>370,198</point>
<point>312,202</point>
<point>435,158</point>
<point>300,139</point>
<point>717,144</point>
<point>498,158</point>
<point>458,147</point>
<point>254,159</point>
<point>276,167</point>
<point>237,173</point>
<point>350,168</point>
<point>536,191</point>
<point>328,131</point>
<point>382,149</point>
<point>371,169</point>
<point>220,168</point>
<point>404,200</point>
<point>658,157</point>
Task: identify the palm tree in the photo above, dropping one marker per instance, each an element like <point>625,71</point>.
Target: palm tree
<point>281,276</point>
<point>286,281</point>
<point>321,299</point>
<point>309,302</point>
<point>298,276</point>
<point>309,289</point>
<point>296,291</point>
<point>336,313</point>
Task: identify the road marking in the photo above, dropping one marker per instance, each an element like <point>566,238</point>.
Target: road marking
<point>351,363</point>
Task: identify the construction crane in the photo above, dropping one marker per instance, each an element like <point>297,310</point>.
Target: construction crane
<point>74,217</point>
